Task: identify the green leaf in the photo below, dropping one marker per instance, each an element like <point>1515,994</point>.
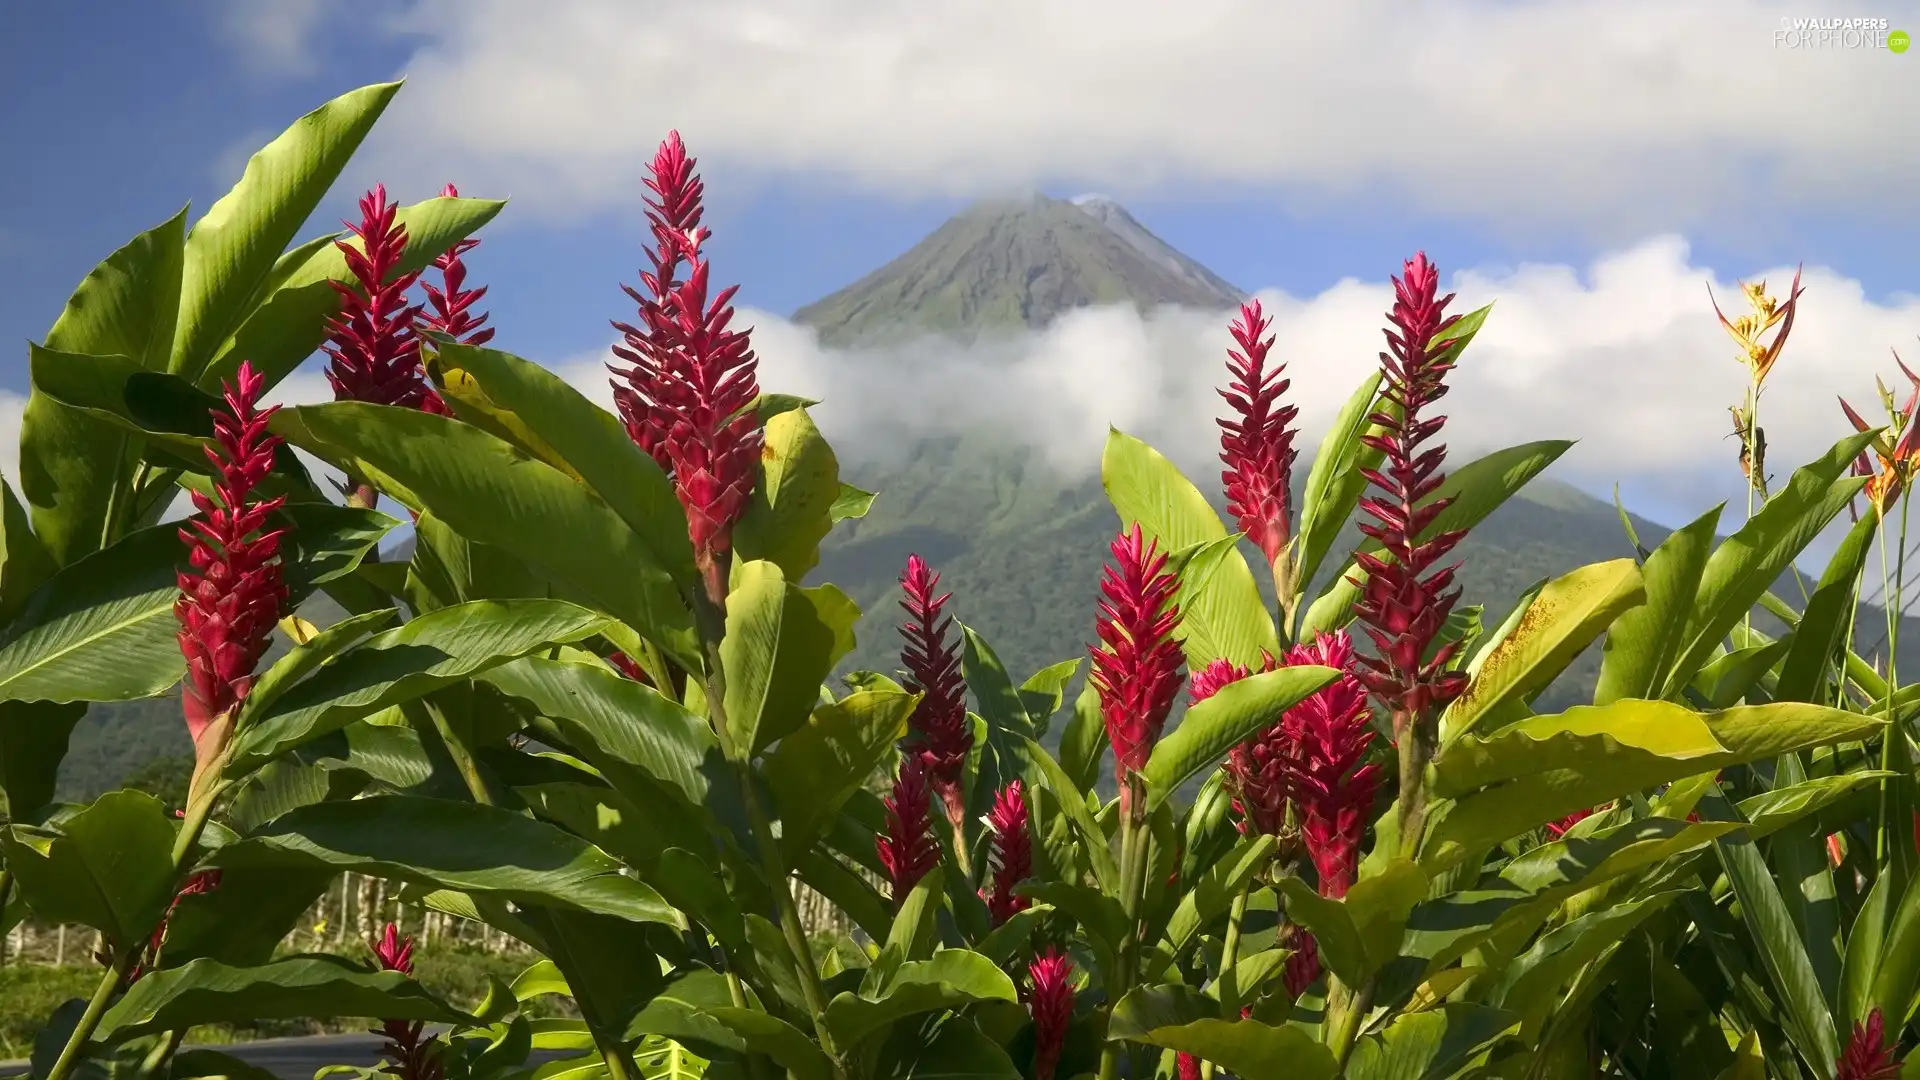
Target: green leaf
<point>305,659</point>
<point>1216,886</point>
<point>605,715</point>
<point>1043,692</point>
<point>957,1050</point>
<point>103,628</point>
<point>913,932</point>
<point>543,414</point>
<point>1589,740</point>
<point>494,493</point>
<point>813,771</point>
<point>1334,483</point>
<point>296,300</point>
<point>1897,978</point>
<point>316,987</point>
<point>1642,642</point>
<point>757,1032</point>
<point>1433,1045</point>
<point>1182,1020</point>
<point>466,847</point>
<point>240,239</point>
<point>33,740</point>
<point>1742,569</point>
<point>73,467</point>
<point>1821,635</point>
<point>954,978</point>
<point>1748,733</point>
<point>425,654</point>
<point>777,651</point>
<point>243,921</point>
<point>1236,713</point>
<point>851,503</point>
<point>1559,624</point>
<point>1048,774</point>
<point>1222,613</point>
<point>1474,491</point>
<point>791,509</point>
<point>201,1063</point>
<point>1360,934</point>
<point>1083,743</point>
<point>109,866</point>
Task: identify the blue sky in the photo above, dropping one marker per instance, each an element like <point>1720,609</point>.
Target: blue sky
<point>114,114</point>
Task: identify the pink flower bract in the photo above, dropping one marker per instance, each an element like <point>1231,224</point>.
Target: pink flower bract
<point>1137,665</point>
<point>941,735</point>
<point>375,352</point>
<point>1257,447</point>
<point>907,848</point>
<point>1049,994</point>
<point>1011,854</point>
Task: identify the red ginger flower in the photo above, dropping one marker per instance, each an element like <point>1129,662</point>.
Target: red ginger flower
<point>1404,613</point>
<point>1558,829</point>
<point>1868,1055</point>
<point>232,597</point>
<point>1303,965</point>
<point>410,1056</point>
<point>1049,994</point>
<point>907,848</point>
<point>447,307</point>
<point>687,398</point>
<point>1328,777</point>
<point>1186,1066</point>
<point>941,735</point>
<point>376,354</point>
<point>1258,447</point>
<point>1012,853</point>
<point>626,665</point>
<point>1137,666</point>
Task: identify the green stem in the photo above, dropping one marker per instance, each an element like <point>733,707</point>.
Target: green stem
<point>1353,1006</point>
<point>1888,827</point>
<point>162,1053</point>
<point>1230,958</point>
<point>1133,879</point>
<point>457,748</point>
<point>199,809</point>
<point>1755,478</point>
<point>615,1056</point>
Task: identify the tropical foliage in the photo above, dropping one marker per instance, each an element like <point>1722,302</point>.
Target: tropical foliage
<point>592,712</point>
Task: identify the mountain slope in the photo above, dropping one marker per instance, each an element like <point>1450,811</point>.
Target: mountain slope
<point>1005,265</point>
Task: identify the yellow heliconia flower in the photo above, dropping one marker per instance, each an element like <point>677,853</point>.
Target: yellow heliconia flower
<point>1897,448</point>
<point>1748,330</point>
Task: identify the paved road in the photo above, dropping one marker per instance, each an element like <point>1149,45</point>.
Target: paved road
<point>296,1059</point>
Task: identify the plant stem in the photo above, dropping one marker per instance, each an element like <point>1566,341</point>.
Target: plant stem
<point>710,616</point>
<point>163,1052</point>
<point>457,748</point>
<point>1353,1007</point>
<point>1755,476</point>
<point>199,809</point>
<point>1230,958</point>
<point>1133,879</point>
<point>1414,751</point>
<point>1888,827</point>
<point>615,1056</point>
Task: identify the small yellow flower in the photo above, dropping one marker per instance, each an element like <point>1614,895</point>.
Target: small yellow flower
<point>1748,331</point>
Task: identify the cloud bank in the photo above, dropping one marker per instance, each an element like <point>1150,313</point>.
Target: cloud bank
<point>1636,114</point>
<point>1624,355</point>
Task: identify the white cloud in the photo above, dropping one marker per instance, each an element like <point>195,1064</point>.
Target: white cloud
<point>1634,113</point>
<point>273,37</point>
<point>1626,357</point>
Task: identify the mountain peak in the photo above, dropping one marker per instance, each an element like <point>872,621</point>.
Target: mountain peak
<point>1014,262</point>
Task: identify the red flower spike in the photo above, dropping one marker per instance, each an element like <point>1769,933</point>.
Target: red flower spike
<point>625,665</point>
<point>233,595</point>
<point>1303,966</point>
<point>410,1056</point>
<point>687,398</point>
<point>1137,665</point>
<point>1258,446</point>
<point>1402,611</point>
<point>941,735</point>
<point>1868,1054</point>
<point>1012,853</point>
<point>447,310</point>
<point>1186,1066</point>
<point>1328,777</point>
<point>907,848</point>
<point>1208,681</point>
<point>1558,829</point>
<point>1049,994</point>
<point>375,353</point>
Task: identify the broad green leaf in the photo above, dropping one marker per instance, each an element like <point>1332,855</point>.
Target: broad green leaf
<point>1642,642</point>
<point>494,493</point>
<point>611,963</point>
<point>1897,978</point>
<point>1083,744</point>
<point>1044,690</point>
<point>310,656</point>
<point>1222,608</point>
<point>541,978</point>
<point>435,650</point>
<point>1475,490</point>
<point>1821,635</point>
<point>777,651</point>
<point>1231,716</point>
<point>1591,740</point>
<point>605,715</point>
<point>289,322</point>
<point>73,467</point>
<point>1559,624</point>
<point>1743,567</point>
<point>213,1065</point>
<point>237,243</point>
<point>1748,733</point>
<point>957,1050</point>
<point>544,415</point>
<point>24,560</point>
<point>914,929</point>
<point>109,866</point>
<point>638,833</point>
<point>851,503</point>
<point>1048,774</point>
<point>1334,482</point>
<point>1359,934</point>
<point>465,847</point>
<point>791,509</point>
<point>1433,1045</point>
<point>1213,891</point>
<point>1182,1020</point>
<point>33,741</point>
<point>296,987</point>
<point>1001,757</point>
<point>1532,985</point>
<point>760,1033</point>
<point>813,771</point>
<point>1866,948</point>
<point>952,979</point>
<point>103,628</point>
<point>244,920</point>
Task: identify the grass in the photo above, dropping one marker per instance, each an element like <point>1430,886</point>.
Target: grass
<point>29,993</point>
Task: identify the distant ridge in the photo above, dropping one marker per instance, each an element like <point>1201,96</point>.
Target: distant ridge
<point>1008,264</point>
